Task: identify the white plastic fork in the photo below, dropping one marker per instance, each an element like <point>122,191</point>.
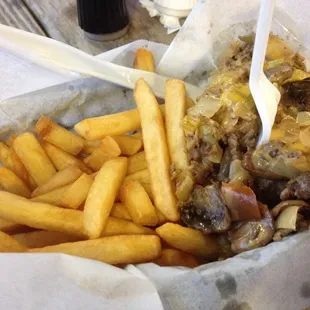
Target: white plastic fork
<point>53,55</point>
<point>265,94</point>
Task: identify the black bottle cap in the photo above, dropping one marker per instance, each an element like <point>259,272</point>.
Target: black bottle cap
<point>101,17</point>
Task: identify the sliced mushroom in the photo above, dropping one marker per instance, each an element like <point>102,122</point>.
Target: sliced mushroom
<point>206,210</point>
<point>294,218</point>
<point>285,204</point>
<point>252,234</point>
<point>297,188</point>
<point>247,164</point>
<point>273,161</point>
<point>291,216</point>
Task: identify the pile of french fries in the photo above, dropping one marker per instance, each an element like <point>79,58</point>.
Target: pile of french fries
<point>101,193</point>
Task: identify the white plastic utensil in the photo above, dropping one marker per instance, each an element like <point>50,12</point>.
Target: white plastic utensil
<point>53,55</point>
<point>265,94</point>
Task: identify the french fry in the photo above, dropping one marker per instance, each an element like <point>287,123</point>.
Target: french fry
<point>128,144</point>
<point>10,160</point>
<point>60,179</point>
<point>59,136</point>
<point>119,211</point>
<point>156,150</point>
<point>53,197</point>
<point>77,192</point>
<point>136,163</point>
<point>142,176</point>
<point>138,135</point>
<point>108,149</point>
<point>189,240</point>
<point>161,219</point>
<point>108,125</point>
<point>102,194</point>
<point>40,215</point>
<point>175,106</point>
<point>111,250</point>
<point>148,189</point>
<point>11,140</point>
<point>10,245</point>
<point>173,257</point>
<point>89,146</point>
<point>138,203</point>
<point>62,159</point>
<point>42,238</point>
<point>144,60</point>
<point>10,182</point>
<point>116,226</point>
<point>34,158</point>
<point>93,175</point>
<point>9,226</point>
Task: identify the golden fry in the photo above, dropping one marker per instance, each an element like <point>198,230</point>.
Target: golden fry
<point>161,219</point>
<point>102,194</point>
<point>116,226</point>
<point>111,250</point>
<point>148,189</point>
<point>156,150</point>
<point>138,135</point>
<point>9,226</point>
<point>11,140</point>
<point>144,60</point>
<point>108,125</point>
<point>53,197</point>
<point>119,211</point>
<point>128,144</point>
<point>10,245</point>
<point>136,163</point>
<point>138,203</point>
<point>62,159</point>
<point>173,257</point>
<point>40,215</point>
<point>175,106</point>
<point>142,176</point>
<point>10,182</point>
<point>42,238</point>
<point>108,149</point>
<point>60,179</point>
<point>59,136</point>
<point>189,240</point>
<point>10,160</point>
<point>89,146</point>
<point>34,158</point>
<point>111,125</point>
<point>77,192</point>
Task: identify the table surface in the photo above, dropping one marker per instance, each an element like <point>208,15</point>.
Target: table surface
<point>58,19</point>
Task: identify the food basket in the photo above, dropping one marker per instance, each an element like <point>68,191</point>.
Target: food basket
<point>273,277</point>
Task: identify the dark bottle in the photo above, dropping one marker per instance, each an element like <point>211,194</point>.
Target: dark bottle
<point>103,19</point>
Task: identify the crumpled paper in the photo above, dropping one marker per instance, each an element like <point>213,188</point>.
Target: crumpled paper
<point>274,277</point>
<point>171,23</point>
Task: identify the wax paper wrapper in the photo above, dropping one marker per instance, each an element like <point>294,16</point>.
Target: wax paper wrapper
<point>274,277</point>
